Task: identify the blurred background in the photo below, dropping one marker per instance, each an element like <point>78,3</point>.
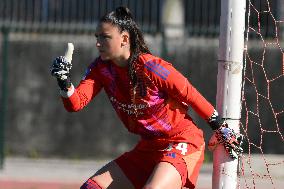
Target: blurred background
<point>33,121</point>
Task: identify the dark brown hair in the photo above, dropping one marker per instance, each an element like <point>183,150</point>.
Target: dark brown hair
<point>123,19</point>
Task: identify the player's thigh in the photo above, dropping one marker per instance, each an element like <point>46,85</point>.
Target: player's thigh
<point>112,177</point>
<point>164,176</point>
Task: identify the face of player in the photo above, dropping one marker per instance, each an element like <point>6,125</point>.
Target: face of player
<point>112,44</point>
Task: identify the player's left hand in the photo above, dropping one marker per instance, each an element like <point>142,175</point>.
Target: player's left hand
<point>232,141</point>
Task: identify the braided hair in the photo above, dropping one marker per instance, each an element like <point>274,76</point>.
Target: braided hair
<point>123,19</point>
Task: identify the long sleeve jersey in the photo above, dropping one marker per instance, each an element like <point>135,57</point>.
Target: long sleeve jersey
<point>155,109</point>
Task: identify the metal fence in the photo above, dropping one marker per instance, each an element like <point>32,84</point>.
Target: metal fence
<point>202,17</point>
<point>73,16</point>
<point>80,16</point>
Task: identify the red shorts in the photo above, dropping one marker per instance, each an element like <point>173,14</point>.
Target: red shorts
<point>139,163</point>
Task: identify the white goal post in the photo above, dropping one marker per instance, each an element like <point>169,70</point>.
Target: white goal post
<point>229,86</point>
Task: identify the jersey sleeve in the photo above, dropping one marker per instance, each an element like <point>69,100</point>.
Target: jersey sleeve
<point>168,79</point>
<point>88,88</point>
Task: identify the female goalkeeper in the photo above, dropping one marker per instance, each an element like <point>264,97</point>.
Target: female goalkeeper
<point>152,100</point>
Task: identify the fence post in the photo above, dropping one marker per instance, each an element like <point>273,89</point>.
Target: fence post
<point>4,89</point>
<point>173,18</point>
<point>281,17</point>
<point>173,25</point>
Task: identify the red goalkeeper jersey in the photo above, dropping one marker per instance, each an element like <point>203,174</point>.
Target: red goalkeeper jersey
<point>156,109</point>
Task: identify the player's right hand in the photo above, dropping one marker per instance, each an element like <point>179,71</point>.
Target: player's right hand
<point>60,69</point>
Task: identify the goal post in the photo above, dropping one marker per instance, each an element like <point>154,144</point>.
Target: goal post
<point>229,86</point>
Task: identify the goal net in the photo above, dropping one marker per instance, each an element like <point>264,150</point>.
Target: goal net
<point>262,165</point>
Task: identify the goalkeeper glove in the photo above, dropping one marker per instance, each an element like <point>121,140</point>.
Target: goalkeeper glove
<point>60,69</point>
<point>232,141</point>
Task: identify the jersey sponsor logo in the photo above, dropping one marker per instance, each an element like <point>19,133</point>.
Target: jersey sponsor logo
<point>158,69</point>
<point>130,109</point>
